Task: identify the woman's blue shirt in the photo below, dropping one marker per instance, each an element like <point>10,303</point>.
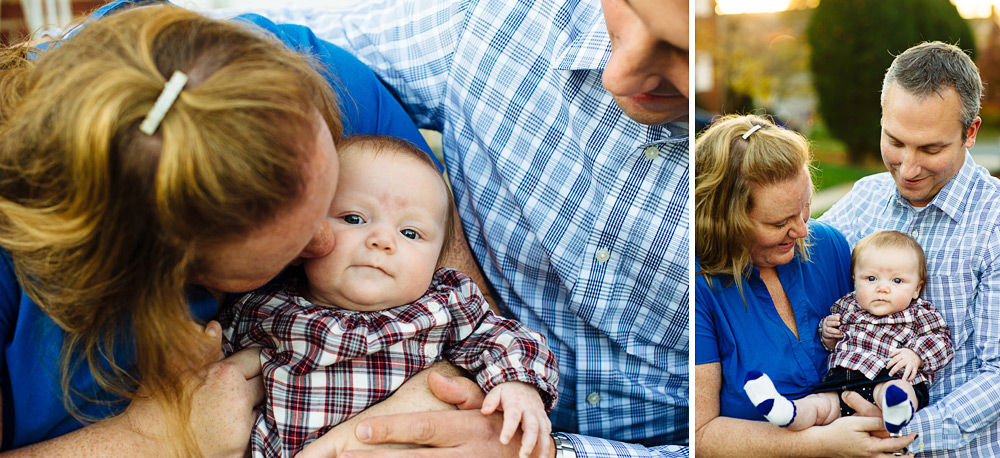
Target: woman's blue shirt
<point>745,333</point>
<point>33,409</point>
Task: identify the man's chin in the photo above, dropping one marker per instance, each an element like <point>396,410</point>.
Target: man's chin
<point>671,109</point>
<point>916,197</point>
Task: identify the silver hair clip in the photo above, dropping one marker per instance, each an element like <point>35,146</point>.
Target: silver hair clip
<point>163,103</point>
<point>753,129</point>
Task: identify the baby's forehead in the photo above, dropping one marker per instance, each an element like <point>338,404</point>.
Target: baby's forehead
<point>390,187</point>
<point>364,153</point>
<point>888,256</point>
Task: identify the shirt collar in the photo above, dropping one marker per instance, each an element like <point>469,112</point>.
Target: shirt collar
<point>588,46</point>
<point>952,198</point>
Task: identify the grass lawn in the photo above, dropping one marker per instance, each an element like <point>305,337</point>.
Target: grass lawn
<point>831,163</point>
<point>830,174</point>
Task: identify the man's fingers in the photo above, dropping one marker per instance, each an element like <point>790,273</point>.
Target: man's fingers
<point>892,444</point>
<point>423,428</point>
<point>459,391</point>
<point>322,447</point>
<point>405,453</point>
<point>861,405</point>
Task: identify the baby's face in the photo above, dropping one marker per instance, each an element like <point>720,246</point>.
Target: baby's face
<point>388,217</point>
<point>886,279</point>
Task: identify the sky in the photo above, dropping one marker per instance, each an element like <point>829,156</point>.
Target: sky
<point>967,8</point>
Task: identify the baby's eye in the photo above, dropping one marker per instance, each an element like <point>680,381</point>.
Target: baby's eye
<point>870,278</point>
<point>353,219</point>
<point>897,280</point>
<point>410,234</point>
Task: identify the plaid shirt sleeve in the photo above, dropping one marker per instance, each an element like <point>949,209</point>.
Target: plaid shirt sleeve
<point>496,349</point>
<point>933,341</point>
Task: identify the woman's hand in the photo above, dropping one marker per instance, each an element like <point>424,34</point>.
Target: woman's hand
<point>222,404</point>
<point>851,437</point>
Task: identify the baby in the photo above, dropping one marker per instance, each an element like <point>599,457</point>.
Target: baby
<point>374,312</point>
<point>886,341</point>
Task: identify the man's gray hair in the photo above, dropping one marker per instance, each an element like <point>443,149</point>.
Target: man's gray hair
<point>930,67</point>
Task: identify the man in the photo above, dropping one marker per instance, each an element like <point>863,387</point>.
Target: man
<point>572,194</point>
<point>935,192</point>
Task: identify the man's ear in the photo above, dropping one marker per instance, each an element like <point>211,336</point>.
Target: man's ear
<point>970,133</point>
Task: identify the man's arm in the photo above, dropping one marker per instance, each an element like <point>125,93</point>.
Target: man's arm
<point>467,432</point>
<point>971,408</point>
<point>458,255</point>
<point>408,44</point>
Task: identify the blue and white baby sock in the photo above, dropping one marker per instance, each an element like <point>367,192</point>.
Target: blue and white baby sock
<point>896,409</point>
<point>773,406</point>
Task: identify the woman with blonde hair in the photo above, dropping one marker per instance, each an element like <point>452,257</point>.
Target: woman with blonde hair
<point>150,163</point>
<point>765,277</point>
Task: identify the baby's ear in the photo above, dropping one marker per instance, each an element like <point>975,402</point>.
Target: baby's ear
<point>916,293</point>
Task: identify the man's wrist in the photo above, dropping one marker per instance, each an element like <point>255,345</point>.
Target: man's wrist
<point>563,446</point>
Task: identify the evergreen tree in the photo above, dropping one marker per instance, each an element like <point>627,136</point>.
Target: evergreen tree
<point>854,41</point>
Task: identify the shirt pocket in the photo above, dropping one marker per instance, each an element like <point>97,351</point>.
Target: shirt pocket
<point>953,295</point>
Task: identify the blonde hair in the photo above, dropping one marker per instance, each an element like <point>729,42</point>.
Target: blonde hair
<point>891,239</point>
<point>727,167</point>
<point>376,145</point>
<point>103,223</point>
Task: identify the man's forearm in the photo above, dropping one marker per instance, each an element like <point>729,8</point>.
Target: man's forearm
<point>458,255</point>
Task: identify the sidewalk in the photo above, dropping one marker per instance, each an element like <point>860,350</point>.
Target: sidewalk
<point>986,154</point>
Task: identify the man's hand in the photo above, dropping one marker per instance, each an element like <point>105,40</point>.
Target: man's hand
<point>863,408</point>
<point>855,437</point>
<point>461,433</point>
<point>906,361</point>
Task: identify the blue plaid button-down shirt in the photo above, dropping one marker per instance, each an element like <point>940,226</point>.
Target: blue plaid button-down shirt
<point>577,214</point>
<point>960,233</point>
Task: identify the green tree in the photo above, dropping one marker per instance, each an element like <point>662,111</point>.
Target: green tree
<point>853,43</point>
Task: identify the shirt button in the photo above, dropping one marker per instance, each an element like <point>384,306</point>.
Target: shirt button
<point>593,398</point>
<point>434,307</point>
<point>965,436</point>
<point>652,152</point>
<point>920,445</point>
<point>603,255</point>
<point>914,234</point>
<point>431,351</point>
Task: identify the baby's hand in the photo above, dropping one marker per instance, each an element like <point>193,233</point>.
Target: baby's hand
<point>522,404</point>
<point>905,360</point>
<point>830,331</point>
